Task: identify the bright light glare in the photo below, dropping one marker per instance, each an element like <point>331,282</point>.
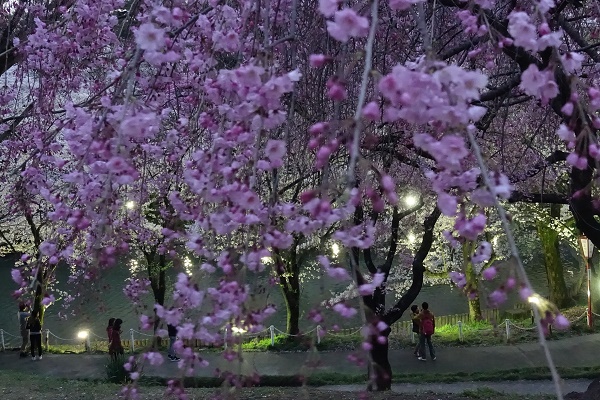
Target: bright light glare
<point>187,265</point>
<point>130,205</point>
<point>237,330</point>
<point>411,200</point>
<point>534,300</point>
<point>411,238</point>
<point>266,260</point>
<point>82,334</point>
<point>335,248</point>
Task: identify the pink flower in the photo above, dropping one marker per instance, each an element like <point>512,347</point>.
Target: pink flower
<point>566,134</point>
<point>489,273</point>
<point>17,277</point>
<point>511,283</point>
<point>371,111</point>
<point>328,7</point>
<point>522,30</point>
<point>539,83</point>
<point>577,161</point>
<point>229,42</point>
<point>344,310</point>
<point>275,150</point>
<point>447,204</point>
<point>458,278</point>
<point>346,24</point>
<point>149,37</point>
<point>317,60</point>
<point>497,297</point>
<point>525,293</point>
<point>483,253</point>
<point>561,322</point>
<point>336,91</point>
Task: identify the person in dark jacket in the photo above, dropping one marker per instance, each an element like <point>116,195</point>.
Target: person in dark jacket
<point>416,327</point>
<point>116,347</point>
<point>109,330</point>
<point>172,338</point>
<point>35,335</point>
<point>23,315</point>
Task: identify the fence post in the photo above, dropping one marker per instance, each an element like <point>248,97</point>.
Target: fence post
<point>131,340</point>
<point>225,338</point>
<point>2,337</point>
<point>47,339</point>
<point>318,334</point>
<point>272,329</point>
<point>460,331</point>
<point>507,323</point>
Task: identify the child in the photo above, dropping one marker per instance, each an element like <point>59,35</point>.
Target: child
<point>109,330</point>
<point>35,336</point>
<point>427,329</point>
<point>416,326</point>
<point>115,346</point>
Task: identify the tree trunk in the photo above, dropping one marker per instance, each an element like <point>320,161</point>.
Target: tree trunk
<point>472,283</point>
<point>291,294</point>
<point>288,272</point>
<point>381,365</point>
<point>549,238</point>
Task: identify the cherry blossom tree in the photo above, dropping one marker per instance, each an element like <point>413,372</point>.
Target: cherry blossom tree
<point>205,105</point>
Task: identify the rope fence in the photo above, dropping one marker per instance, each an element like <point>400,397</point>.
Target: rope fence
<point>141,339</point>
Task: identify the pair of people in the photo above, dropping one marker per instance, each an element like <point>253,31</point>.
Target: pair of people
<point>113,331</point>
<point>31,332</point>
<point>424,325</point>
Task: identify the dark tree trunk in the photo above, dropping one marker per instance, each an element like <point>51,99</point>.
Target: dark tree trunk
<point>291,294</point>
<point>375,303</point>
<point>289,279</point>
<point>382,370</point>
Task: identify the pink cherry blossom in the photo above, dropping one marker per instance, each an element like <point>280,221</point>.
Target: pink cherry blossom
<point>347,24</point>
<point>149,37</point>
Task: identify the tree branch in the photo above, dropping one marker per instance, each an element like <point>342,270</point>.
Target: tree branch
<point>418,270</point>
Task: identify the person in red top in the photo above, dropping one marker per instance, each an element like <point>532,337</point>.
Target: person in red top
<point>427,328</point>
<point>115,346</point>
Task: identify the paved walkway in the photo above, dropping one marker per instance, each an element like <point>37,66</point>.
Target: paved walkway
<point>572,352</point>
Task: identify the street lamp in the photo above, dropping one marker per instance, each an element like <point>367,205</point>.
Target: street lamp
<point>587,248</point>
<point>411,200</point>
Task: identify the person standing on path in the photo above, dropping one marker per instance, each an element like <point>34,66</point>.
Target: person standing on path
<point>109,330</point>
<point>35,335</point>
<point>427,328</point>
<point>23,314</point>
<point>416,327</point>
<point>115,342</point>
<point>172,338</point>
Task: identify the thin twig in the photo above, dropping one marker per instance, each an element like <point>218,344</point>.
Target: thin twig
<point>354,153</point>
<point>513,248</point>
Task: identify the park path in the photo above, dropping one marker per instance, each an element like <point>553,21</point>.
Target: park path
<point>579,351</point>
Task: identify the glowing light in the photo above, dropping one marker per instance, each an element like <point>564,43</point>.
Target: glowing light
<point>411,200</point>
<point>534,300</point>
<point>187,265</point>
<point>82,334</point>
<point>266,260</point>
<point>130,205</point>
<point>335,248</point>
<point>238,330</point>
<point>411,238</point>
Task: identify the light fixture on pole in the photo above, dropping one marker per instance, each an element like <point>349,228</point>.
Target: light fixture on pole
<point>587,248</point>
